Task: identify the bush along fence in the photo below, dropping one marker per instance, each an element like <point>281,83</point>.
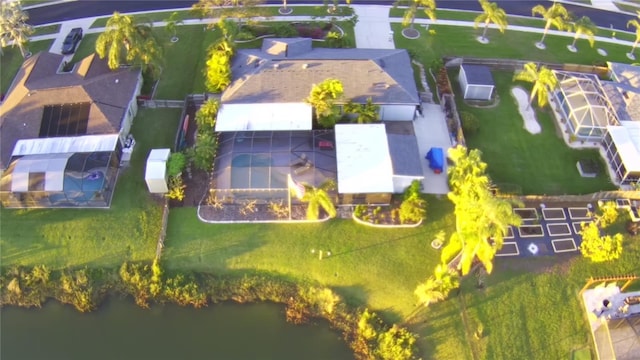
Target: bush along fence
<point>367,335</point>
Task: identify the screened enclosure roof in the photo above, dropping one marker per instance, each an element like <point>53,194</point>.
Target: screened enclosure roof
<point>588,103</point>
<point>627,141</point>
<point>364,162</point>
<point>261,160</point>
<point>71,144</point>
<point>264,117</point>
<point>50,165</point>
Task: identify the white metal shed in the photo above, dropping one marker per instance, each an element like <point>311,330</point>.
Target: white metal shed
<point>476,82</point>
<point>156,172</point>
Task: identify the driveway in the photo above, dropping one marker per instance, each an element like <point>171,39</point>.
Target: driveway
<point>431,131</point>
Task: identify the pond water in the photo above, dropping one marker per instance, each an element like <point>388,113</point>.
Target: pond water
<point>121,330</point>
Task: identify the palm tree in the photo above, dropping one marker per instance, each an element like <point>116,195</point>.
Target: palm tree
<point>366,113</point>
<point>555,15</point>
<point>636,24</point>
<point>482,219</point>
<point>438,286</point>
<point>319,198</point>
<point>132,42</point>
<point>172,25</point>
<point>322,98</point>
<point>543,80</point>
<point>14,27</point>
<point>429,8</point>
<point>491,14</point>
<point>585,26</point>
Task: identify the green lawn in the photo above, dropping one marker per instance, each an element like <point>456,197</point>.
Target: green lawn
<point>269,11</point>
<point>96,237</point>
<point>460,41</point>
<point>11,61</point>
<point>539,164</point>
<point>364,266</point>
<point>45,30</point>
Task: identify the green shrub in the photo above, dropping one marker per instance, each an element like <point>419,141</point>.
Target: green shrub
<point>284,30</point>
<point>207,115</point>
<point>245,35</point>
<point>176,164</point>
<point>413,207</point>
<point>470,123</point>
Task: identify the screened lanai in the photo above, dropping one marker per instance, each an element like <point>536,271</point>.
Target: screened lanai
<point>61,172</point>
<point>255,165</point>
<point>584,104</point>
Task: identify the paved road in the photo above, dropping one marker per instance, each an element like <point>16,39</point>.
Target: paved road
<point>89,8</point>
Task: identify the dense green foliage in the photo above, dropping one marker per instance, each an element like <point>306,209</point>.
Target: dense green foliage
<point>482,219</point>
<point>362,113</point>
<point>218,71</point>
<point>133,43</point>
<point>438,286</point>
<point>413,207</point>
<point>322,98</point>
<point>598,247</point>
<point>318,198</point>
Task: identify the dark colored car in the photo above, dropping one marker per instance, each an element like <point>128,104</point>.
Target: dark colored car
<point>71,41</point>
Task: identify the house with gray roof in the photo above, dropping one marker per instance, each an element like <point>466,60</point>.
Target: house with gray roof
<point>62,133</point>
<point>267,132</point>
<point>283,72</point>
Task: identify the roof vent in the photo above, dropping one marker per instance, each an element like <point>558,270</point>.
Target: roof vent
<point>382,64</point>
<point>304,66</point>
<point>381,85</point>
<point>276,66</point>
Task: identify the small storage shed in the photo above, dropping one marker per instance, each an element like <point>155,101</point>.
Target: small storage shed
<point>476,82</point>
<point>156,172</point>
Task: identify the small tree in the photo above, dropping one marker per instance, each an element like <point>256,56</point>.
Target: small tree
<point>14,27</point>
<point>601,248</point>
<point>218,69</point>
<point>585,26</point>
<point>207,115</point>
<point>366,113</point>
<point>318,198</point>
<point>635,24</point>
<point>409,17</point>
<point>322,98</point>
<point>491,14</point>
<point>437,287</point>
<point>413,207</point>
<point>176,163</point>
<point>172,25</point>
<point>556,15</point>
<point>204,151</point>
<point>543,80</point>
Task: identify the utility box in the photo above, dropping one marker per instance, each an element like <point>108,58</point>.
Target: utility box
<point>156,172</point>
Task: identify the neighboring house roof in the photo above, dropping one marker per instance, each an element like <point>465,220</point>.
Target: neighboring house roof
<point>626,79</point>
<point>363,159</point>
<point>38,84</point>
<point>627,140</point>
<point>404,155</point>
<point>478,75</point>
<point>259,77</point>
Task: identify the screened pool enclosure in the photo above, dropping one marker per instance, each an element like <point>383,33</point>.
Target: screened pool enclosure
<point>61,172</point>
<point>584,104</point>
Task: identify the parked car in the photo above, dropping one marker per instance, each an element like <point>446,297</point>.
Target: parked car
<point>71,41</point>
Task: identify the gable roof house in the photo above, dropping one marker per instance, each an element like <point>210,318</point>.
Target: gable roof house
<point>49,115</point>
<point>263,111</point>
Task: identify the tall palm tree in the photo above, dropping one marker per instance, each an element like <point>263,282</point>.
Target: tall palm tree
<point>428,6</point>
<point>636,24</point>
<point>543,80</point>
<point>481,218</point>
<point>14,27</point>
<point>126,40</point>
<point>585,26</point>
<point>556,15</point>
<point>172,25</point>
<point>491,14</point>
<point>318,198</point>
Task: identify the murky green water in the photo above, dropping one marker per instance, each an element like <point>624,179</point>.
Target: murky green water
<point>121,330</point>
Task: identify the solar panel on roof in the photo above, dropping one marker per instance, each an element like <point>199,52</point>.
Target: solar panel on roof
<point>64,120</point>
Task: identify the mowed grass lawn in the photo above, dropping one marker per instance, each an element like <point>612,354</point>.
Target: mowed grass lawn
<point>378,268</point>
<point>128,231</point>
<point>538,164</point>
<point>461,41</point>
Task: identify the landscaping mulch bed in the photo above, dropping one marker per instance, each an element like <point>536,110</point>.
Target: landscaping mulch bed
<point>197,185</point>
<point>531,230</point>
<point>260,212</point>
<point>526,214</point>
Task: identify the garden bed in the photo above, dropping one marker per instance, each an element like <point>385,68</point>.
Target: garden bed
<point>531,231</point>
<point>527,213</point>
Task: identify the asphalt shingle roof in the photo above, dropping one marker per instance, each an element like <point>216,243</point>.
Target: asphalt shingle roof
<point>384,75</point>
<point>478,75</point>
